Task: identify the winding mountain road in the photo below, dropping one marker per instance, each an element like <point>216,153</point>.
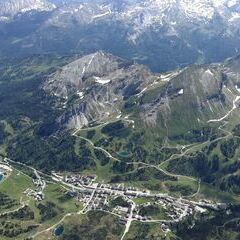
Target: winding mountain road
<point>228,113</point>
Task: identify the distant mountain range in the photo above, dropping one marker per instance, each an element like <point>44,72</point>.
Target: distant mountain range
<point>162,34</point>
<point>11,8</point>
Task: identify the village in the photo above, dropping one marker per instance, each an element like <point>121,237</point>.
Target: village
<point>126,202</point>
<point>98,196</point>
<point>40,184</point>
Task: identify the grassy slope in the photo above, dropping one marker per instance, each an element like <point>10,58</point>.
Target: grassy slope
<point>17,183</point>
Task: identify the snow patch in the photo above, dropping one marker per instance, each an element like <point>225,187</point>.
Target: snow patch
<point>144,90</point>
<point>79,8</point>
<point>100,15</point>
<point>4,19</point>
<point>169,76</point>
<point>80,94</point>
<point>237,88</point>
<point>235,17</point>
<point>102,81</point>
<point>209,72</point>
<point>180,92</point>
<point>232,3</point>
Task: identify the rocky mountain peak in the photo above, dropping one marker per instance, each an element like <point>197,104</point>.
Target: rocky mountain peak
<point>9,8</point>
<point>99,67</point>
<point>96,85</point>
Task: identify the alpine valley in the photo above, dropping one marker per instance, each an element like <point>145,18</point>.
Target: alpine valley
<point>119,120</point>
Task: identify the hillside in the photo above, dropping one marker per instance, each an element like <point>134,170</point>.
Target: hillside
<point>125,109</point>
<point>169,143</point>
<point>119,119</point>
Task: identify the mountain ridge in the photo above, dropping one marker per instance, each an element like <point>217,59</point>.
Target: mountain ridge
<point>146,31</point>
<point>99,80</point>
<point>9,8</point>
<point>99,86</point>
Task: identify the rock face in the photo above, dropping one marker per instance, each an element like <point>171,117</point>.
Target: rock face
<point>174,14</point>
<point>99,87</point>
<point>94,87</point>
<point>9,8</point>
<point>195,96</point>
<point>142,16</point>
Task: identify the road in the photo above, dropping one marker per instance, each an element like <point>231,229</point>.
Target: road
<point>174,156</point>
<point>98,148</point>
<point>94,190</point>
<point>129,220</point>
<point>36,172</point>
<point>149,165</point>
<point>145,164</point>
<point>164,171</point>
<point>228,113</point>
<point>23,205</point>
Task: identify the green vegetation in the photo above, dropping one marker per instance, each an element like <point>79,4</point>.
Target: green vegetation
<point>14,230</point>
<point>24,213</point>
<point>212,226</point>
<point>6,202</point>
<point>119,201</point>
<point>145,231</point>
<point>177,139</point>
<point>154,211</point>
<point>228,147</point>
<point>21,216</point>
<point>182,187</point>
<point>208,161</point>
<point>145,178</point>
<point>3,133</point>
<point>96,225</point>
<point>216,164</point>
<point>116,129</point>
<point>47,211</point>
<point>51,154</point>
<point>15,185</point>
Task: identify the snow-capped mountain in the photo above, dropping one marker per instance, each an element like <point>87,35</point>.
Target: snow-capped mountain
<point>164,34</point>
<point>174,13</point>
<point>9,8</point>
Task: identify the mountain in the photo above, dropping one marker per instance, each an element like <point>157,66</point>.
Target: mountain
<point>9,8</point>
<point>100,86</point>
<point>174,134</point>
<point>119,119</point>
<point>189,116</point>
<point>93,87</point>
<point>187,106</point>
<point>164,35</point>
